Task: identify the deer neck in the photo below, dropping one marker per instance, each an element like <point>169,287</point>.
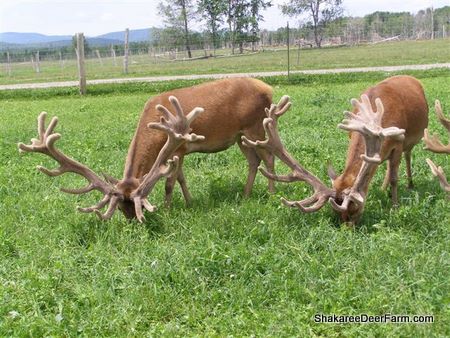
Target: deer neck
<point>354,164</point>
<point>143,151</point>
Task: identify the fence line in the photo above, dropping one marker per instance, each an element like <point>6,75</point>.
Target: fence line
<point>62,64</point>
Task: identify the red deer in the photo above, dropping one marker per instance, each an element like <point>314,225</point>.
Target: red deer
<point>375,136</point>
<point>232,108</point>
<point>436,146</point>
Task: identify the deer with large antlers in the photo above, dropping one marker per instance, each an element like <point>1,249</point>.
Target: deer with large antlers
<point>388,121</point>
<point>433,144</point>
<point>229,109</point>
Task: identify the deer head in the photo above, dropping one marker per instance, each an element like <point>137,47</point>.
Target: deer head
<point>129,194</point>
<point>348,202</point>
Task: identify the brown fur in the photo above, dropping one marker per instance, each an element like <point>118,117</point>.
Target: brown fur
<point>232,108</point>
<point>405,107</point>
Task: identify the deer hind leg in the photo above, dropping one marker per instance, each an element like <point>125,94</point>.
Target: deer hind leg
<point>269,162</point>
<point>408,169</point>
<point>253,162</point>
<point>184,188</point>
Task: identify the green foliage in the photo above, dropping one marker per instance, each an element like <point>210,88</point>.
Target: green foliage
<point>226,266</point>
<point>214,11</point>
<point>320,12</point>
<point>87,48</point>
<point>178,15</point>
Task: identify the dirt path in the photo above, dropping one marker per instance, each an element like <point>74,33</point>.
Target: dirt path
<point>219,76</point>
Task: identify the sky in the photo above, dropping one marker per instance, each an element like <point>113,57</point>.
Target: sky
<point>96,17</point>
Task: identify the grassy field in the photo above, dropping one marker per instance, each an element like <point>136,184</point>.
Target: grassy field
<point>395,53</point>
<point>226,266</point>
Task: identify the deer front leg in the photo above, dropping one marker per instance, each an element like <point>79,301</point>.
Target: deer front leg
<point>387,177</point>
<point>394,164</point>
<point>170,184</point>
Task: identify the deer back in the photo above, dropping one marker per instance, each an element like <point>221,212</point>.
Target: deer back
<point>230,106</point>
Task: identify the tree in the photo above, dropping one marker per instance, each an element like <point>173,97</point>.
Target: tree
<point>239,18</point>
<point>177,14</point>
<point>321,12</point>
<point>214,10</point>
<point>255,8</point>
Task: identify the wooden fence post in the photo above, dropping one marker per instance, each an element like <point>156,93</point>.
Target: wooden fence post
<point>38,68</point>
<point>8,65</point>
<point>113,55</point>
<point>99,57</point>
<point>125,56</point>
<point>61,62</point>
<point>80,61</point>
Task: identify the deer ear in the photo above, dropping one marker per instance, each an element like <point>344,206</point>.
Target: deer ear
<point>110,179</point>
<point>331,172</point>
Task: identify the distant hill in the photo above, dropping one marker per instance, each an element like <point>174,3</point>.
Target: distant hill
<point>136,35</point>
<point>36,40</point>
<point>31,38</point>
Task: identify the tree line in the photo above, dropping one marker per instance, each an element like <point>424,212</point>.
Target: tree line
<point>235,23</point>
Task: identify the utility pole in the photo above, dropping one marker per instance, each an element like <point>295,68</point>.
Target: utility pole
<point>288,56</point>
<point>432,23</point>
<point>125,56</point>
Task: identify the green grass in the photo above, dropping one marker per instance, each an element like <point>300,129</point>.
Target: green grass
<point>395,53</point>
<point>226,266</point>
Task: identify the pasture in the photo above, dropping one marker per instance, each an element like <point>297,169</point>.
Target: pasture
<point>226,266</point>
<point>385,54</point>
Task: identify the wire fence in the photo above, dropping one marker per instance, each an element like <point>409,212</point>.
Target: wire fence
<point>31,65</point>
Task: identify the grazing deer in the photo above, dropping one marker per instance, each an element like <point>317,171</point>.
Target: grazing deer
<point>436,146</point>
<point>375,136</point>
<point>230,108</point>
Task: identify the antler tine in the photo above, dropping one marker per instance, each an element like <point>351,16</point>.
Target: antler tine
<point>177,127</point>
<point>270,125</point>
<point>98,206</point>
<point>439,173</point>
<point>273,144</point>
<point>433,143</point>
<point>176,104</point>
<point>280,178</point>
<point>46,145</point>
<point>444,121</point>
<point>283,105</point>
<point>113,203</point>
<point>167,116</point>
<point>78,191</point>
<point>41,124</point>
<point>310,204</point>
